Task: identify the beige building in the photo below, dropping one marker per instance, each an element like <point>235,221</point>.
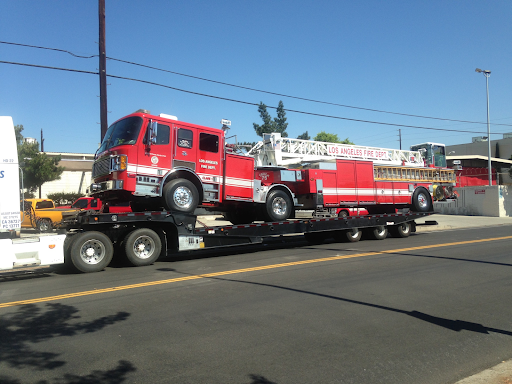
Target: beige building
<point>76,177</point>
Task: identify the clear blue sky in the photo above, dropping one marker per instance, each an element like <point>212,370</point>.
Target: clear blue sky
<point>412,57</point>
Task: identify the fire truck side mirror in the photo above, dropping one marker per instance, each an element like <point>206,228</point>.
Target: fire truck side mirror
<point>153,132</point>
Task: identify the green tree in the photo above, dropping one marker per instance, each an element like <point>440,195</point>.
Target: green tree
<point>331,138</point>
<point>38,168</point>
<point>19,137</point>
<point>278,125</point>
<point>304,136</point>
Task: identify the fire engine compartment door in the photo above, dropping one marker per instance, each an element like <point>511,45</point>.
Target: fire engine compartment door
<point>346,182</point>
<point>365,188</point>
<point>239,177</point>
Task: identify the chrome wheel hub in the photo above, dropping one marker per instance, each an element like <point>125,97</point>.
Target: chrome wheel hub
<point>92,252</point>
<point>183,197</point>
<point>143,247</point>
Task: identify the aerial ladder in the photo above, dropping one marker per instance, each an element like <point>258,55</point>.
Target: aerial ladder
<point>389,164</point>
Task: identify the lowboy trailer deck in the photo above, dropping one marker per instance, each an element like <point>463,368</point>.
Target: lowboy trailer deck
<point>93,238</point>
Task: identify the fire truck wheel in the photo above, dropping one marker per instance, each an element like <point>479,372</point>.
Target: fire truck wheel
<point>142,247</point>
<point>44,225</point>
<point>421,201</point>
<point>352,235</point>
<point>400,230</point>
<point>278,206</point>
<point>181,195</point>
<point>377,233</point>
<point>343,213</point>
<point>91,251</point>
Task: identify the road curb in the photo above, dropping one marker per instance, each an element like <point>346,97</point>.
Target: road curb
<point>499,374</point>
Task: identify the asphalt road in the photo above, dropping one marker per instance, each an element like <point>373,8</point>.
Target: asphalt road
<point>432,308</point>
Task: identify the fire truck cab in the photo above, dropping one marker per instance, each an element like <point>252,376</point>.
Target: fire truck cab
<point>158,161</point>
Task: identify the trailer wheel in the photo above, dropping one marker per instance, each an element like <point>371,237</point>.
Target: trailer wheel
<point>91,251</point>
<point>377,233</point>
<point>400,230</point>
<point>278,206</point>
<point>142,247</point>
<point>352,235</point>
<point>44,225</point>
<point>181,195</point>
<point>421,201</point>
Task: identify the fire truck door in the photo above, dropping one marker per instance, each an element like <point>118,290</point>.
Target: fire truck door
<point>185,143</point>
<point>154,159</point>
<point>209,164</point>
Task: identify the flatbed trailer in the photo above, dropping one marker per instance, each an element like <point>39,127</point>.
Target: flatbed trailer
<point>93,238</point>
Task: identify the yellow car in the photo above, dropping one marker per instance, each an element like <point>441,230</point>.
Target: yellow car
<point>42,214</point>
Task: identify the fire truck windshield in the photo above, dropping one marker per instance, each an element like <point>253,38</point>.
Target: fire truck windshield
<point>122,132</point>
<point>434,153</point>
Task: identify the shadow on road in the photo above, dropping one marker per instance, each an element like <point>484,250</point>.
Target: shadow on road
<point>31,324</point>
<point>453,325</point>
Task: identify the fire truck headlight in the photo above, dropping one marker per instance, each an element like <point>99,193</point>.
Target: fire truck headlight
<point>119,163</point>
<point>123,161</point>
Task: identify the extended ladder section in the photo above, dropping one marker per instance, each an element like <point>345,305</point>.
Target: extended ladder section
<point>419,175</point>
<point>279,151</point>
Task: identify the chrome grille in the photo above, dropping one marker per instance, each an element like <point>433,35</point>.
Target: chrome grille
<point>101,167</point>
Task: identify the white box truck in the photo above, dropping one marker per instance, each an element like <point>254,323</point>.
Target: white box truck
<point>16,251</point>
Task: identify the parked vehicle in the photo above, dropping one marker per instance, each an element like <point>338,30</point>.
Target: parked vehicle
<point>345,212</point>
<point>42,214</point>
<point>95,204</point>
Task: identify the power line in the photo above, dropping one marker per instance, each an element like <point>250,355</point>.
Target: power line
<point>49,49</point>
<point>255,89</point>
<point>244,102</point>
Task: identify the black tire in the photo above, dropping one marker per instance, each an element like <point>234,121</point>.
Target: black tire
<point>343,213</point>
<point>142,247</point>
<point>44,225</point>
<point>91,251</point>
<point>180,195</point>
<point>377,233</point>
<point>400,230</point>
<point>421,200</point>
<point>279,206</point>
<point>352,235</point>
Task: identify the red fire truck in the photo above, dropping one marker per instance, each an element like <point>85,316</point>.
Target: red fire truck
<point>158,161</point>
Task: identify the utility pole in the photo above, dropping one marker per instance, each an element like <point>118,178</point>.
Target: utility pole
<point>42,150</point>
<point>42,141</point>
<point>487,73</point>
<point>103,69</point>
<point>400,138</point>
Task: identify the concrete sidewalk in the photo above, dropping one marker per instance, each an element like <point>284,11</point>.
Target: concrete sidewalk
<point>451,222</point>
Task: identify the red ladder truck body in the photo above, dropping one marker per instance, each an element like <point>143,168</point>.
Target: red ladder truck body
<point>158,161</point>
